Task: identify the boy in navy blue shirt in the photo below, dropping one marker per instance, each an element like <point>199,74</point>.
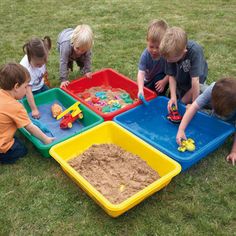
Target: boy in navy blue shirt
<point>186,66</point>
<point>151,73</point>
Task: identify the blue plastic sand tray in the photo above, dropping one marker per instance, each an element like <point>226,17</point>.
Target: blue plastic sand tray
<point>150,124</point>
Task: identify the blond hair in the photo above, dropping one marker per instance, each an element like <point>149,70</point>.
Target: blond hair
<point>173,43</point>
<point>82,36</point>
<point>156,30</point>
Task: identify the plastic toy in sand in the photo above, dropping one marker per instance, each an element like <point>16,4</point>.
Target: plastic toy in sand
<point>105,98</point>
<point>174,115</point>
<point>126,98</point>
<point>142,98</point>
<point>187,145</point>
<point>41,126</point>
<point>101,95</point>
<point>85,95</point>
<point>56,110</point>
<point>70,115</point>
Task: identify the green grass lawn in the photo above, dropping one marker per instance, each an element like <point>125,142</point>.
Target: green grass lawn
<point>37,198</point>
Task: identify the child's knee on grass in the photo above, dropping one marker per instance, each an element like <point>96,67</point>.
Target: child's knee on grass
<point>17,151</point>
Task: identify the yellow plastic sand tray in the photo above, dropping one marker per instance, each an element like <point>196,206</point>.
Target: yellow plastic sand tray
<point>111,133</point>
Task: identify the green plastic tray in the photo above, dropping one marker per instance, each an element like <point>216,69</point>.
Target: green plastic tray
<point>89,120</point>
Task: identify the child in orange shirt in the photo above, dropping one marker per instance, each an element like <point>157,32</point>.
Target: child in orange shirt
<point>14,80</point>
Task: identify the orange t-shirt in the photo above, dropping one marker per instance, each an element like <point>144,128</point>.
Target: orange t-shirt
<point>12,117</point>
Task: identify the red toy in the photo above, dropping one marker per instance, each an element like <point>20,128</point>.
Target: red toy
<point>68,119</point>
<point>85,95</point>
<point>95,99</point>
<point>174,115</point>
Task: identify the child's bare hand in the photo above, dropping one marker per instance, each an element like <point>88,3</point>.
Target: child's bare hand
<point>180,136</point>
<point>64,83</point>
<point>231,158</point>
<point>170,103</point>
<point>36,114</point>
<point>89,75</point>
<point>140,93</point>
<point>49,140</point>
<point>160,86</point>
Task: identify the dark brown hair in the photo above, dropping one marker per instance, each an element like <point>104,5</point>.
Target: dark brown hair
<point>223,97</point>
<point>11,74</point>
<point>37,48</point>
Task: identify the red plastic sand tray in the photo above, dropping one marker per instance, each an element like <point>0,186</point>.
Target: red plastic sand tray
<point>107,79</point>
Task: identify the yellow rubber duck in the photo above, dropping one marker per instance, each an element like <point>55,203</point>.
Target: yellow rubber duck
<point>187,145</point>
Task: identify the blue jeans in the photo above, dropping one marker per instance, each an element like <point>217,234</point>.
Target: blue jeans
<point>44,88</point>
<point>17,151</point>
